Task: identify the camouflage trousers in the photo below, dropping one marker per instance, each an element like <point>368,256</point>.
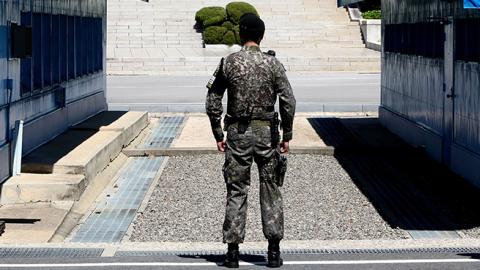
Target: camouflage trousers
<point>242,150</point>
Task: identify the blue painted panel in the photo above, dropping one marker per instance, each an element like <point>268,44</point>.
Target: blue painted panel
<point>412,86</point>
<point>90,45</point>
<point>37,51</point>
<point>471,4</point>
<point>467,106</point>
<point>79,57</point>
<point>71,47</point>
<point>63,47</point>
<point>26,63</point>
<point>99,42</point>
<point>3,41</point>
<point>55,51</point>
<point>46,49</point>
<point>342,3</point>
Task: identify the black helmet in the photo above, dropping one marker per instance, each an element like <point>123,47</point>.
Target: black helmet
<point>252,28</point>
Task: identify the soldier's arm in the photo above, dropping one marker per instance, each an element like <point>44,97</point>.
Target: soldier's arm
<point>287,101</point>
<point>216,89</point>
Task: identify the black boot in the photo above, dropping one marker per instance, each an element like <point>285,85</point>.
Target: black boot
<point>231,258</point>
<point>274,258</point>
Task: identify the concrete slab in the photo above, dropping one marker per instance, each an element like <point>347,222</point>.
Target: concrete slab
<point>130,123</point>
<point>43,159</point>
<point>35,223</point>
<point>304,135</point>
<point>92,155</point>
<point>197,134</point>
<point>27,188</point>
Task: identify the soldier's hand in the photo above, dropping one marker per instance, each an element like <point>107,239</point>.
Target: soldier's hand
<point>284,147</point>
<point>221,146</point>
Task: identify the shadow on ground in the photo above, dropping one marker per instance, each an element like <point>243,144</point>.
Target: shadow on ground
<point>218,259</point>
<point>42,159</point>
<point>410,190</point>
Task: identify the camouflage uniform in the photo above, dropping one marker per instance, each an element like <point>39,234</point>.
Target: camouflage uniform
<point>254,80</point>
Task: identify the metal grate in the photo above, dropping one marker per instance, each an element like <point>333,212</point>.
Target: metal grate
<point>425,234</point>
<point>50,252</point>
<point>165,132</point>
<point>113,215</point>
<point>301,252</point>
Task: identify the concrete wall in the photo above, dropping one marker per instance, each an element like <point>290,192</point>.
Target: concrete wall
<point>372,33</point>
<point>85,96</point>
<point>414,104</point>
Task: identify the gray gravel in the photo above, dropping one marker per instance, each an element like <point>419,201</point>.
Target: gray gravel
<point>321,203</point>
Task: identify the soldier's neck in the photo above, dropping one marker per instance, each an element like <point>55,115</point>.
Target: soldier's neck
<point>251,43</point>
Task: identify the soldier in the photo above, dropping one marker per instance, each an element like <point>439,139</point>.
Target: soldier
<point>254,80</point>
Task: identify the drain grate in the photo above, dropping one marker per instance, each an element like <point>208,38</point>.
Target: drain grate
<point>165,132</point>
<point>50,252</point>
<point>301,252</point>
<point>112,217</point>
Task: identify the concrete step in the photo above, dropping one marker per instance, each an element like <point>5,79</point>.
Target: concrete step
<point>162,26</point>
<point>46,220</point>
<point>86,149</point>
<point>152,67</point>
<point>27,188</point>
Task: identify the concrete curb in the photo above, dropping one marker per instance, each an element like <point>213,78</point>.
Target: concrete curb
<point>42,187</point>
<point>326,150</point>
<point>93,155</point>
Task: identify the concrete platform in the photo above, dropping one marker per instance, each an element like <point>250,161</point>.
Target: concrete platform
<point>128,123</point>
<point>88,147</point>
<point>62,168</point>
<point>42,187</point>
<point>197,134</point>
<point>92,155</point>
<point>33,223</point>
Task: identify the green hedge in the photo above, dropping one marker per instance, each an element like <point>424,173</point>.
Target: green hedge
<point>220,25</point>
<point>209,13</point>
<point>372,15</point>
<point>228,25</point>
<point>236,10</point>
<point>229,38</point>
<point>214,34</point>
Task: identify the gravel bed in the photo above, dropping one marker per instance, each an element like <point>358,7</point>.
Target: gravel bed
<point>321,203</point>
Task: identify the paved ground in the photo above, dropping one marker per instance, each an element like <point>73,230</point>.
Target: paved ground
<point>321,202</point>
<point>320,93</point>
<point>374,182</point>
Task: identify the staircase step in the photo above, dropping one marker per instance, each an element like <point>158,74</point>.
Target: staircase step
<point>27,188</point>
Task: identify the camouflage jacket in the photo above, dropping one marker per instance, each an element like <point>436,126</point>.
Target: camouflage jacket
<point>253,79</point>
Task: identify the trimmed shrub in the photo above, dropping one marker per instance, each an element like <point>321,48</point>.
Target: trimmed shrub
<point>235,11</point>
<point>217,20</point>
<point>236,30</point>
<point>220,25</point>
<point>228,25</point>
<point>214,34</point>
<point>207,13</point>
<point>229,38</point>
<point>372,15</point>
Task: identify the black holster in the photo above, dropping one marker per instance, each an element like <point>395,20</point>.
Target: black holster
<point>281,168</point>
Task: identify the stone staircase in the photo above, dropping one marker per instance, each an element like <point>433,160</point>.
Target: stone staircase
<point>157,37</point>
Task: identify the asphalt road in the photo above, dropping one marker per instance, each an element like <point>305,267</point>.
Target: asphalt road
<point>331,92</point>
<point>303,262</point>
